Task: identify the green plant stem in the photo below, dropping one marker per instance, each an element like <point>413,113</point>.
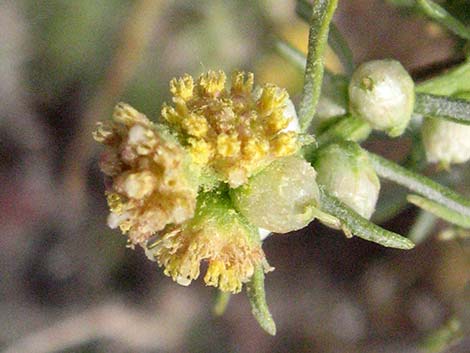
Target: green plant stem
<point>321,16</point>
<point>440,211</point>
<point>453,109</point>
<point>420,185</point>
<point>422,227</point>
<point>291,54</point>
<point>449,83</point>
<point>341,48</point>
<point>336,40</point>
<point>355,224</point>
<point>349,128</point>
<point>259,307</point>
<point>440,15</point>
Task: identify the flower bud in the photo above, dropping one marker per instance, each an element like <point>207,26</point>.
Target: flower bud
<point>218,235</point>
<point>345,171</point>
<point>281,198</point>
<point>446,142</point>
<point>382,93</point>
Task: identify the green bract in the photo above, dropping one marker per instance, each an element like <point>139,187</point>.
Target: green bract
<point>281,198</point>
<point>345,171</point>
<point>382,93</point>
<point>446,142</point>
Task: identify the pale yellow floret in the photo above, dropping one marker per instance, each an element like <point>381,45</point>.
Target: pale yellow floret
<point>228,145</point>
<point>284,144</point>
<point>240,84</point>
<point>150,186</point>
<point>234,132</point>
<point>224,243</point>
<point>195,125</point>
<point>212,83</point>
<point>182,87</point>
<point>200,151</point>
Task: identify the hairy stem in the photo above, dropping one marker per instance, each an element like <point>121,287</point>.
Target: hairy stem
<point>322,14</point>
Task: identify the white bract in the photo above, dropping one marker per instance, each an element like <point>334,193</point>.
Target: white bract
<point>382,93</point>
<point>345,171</point>
<point>281,198</point>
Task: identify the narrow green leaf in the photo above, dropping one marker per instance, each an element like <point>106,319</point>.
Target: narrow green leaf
<point>321,16</point>
<point>360,226</point>
<point>221,302</point>
<point>336,40</point>
<point>422,227</point>
<point>440,15</point>
<point>421,185</point>
<point>257,297</point>
<point>340,46</point>
<point>449,83</point>
<point>453,109</point>
<point>291,54</point>
<point>348,128</point>
<point>440,211</point>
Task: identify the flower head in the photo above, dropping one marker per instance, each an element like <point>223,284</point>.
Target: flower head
<point>217,235</point>
<point>149,172</point>
<point>234,132</point>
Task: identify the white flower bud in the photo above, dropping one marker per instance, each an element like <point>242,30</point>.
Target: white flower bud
<point>281,198</point>
<point>382,93</point>
<point>446,142</point>
<point>345,171</point>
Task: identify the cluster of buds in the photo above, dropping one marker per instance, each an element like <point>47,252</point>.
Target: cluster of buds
<point>193,188</point>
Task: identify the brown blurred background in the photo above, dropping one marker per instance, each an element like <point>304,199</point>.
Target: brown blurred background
<point>67,282</point>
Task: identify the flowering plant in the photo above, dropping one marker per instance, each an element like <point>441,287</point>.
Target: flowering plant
<point>227,164</point>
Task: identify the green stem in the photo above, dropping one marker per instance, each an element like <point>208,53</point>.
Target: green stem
<point>440,211</point>
<point>420,185</point>
<point>361,227</point>
<point>349,128</point>
<point>335,40</point>
<point>339,45</point>
<point>449,83</point>
<point>422,227</point>
<point>453,109</point>
<point>257,297</point>
<point>321,16</point>
<point>291,54</point>
<point>440,15</point>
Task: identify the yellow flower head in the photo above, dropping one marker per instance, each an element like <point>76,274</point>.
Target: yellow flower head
<point>232,132</point>
<point>150,187</point>
<point>217,235</point>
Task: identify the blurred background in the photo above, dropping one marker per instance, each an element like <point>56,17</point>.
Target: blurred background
<point>68,283</point>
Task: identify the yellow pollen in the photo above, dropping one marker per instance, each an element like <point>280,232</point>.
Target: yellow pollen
<point>228,145</point>
<point>182,87</point>
<point>195,125</point>
<point>285,144</point>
